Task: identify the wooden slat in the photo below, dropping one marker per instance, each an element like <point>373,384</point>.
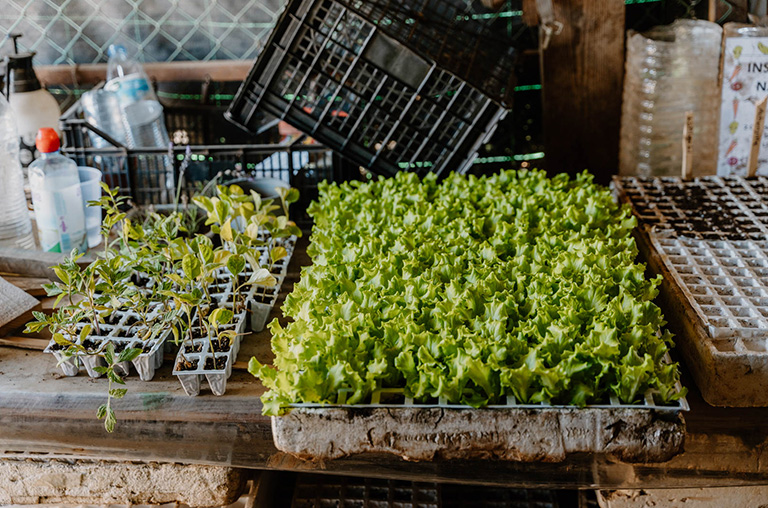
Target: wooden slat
<point>31,285</point>
<point>33,263</point>
<point>222,70</point>
<point>16,307</point>
<point>582,74</point>
<point>530,13</point>
<point>24,342</point>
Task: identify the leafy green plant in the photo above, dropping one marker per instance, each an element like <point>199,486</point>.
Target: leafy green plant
<point>162,271</point>
<point>470,289</point>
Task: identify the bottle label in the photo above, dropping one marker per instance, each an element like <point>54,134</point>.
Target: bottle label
<point>130,88</point>
<point>60,219</point>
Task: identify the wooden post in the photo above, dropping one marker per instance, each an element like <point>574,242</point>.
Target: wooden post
<point>687,172</point>
<point>757,137</point>
<point>582,75</point>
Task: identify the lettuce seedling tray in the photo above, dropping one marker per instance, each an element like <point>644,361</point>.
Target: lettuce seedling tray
<point>709,238</point>
<point>392,423</point>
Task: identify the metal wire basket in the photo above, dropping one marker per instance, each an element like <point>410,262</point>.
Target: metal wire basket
<point>389,85</point>
<point>204,146</point>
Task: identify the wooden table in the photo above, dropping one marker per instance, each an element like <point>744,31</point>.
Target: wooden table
<point>43,412</point>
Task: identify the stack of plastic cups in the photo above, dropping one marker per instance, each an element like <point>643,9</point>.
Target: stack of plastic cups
<point>670,70</point>
<point>15,224</point>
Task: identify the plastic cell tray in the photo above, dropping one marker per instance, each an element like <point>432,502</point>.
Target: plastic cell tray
<point>710,236</point>
<point>122,335</point>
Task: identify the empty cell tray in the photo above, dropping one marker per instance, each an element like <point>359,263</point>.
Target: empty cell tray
<point>715,276</point>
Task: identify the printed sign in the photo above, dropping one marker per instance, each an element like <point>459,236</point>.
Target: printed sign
<point>745,83</point>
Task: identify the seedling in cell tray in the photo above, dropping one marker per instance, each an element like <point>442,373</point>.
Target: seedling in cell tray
<point>154,279</point>
<point>211,352</point>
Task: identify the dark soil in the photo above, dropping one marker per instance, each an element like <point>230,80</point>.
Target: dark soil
<point>221,363</point>
<point>709,210</point>
<point>57,347</point>
<point>132,320</point>
<point>188,365</point>
<point>221,345</point>
<point>113,319</point>
<point>261,298</point>
<point>198,333</point>
<point>91,345</point>
<point>120,346</point>
<point>195,348</point>
<point>139,280</point>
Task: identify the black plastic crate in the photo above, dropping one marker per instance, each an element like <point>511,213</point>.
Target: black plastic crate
<point>319,491</point>
<point>205,146</point>
<point>389,84</point>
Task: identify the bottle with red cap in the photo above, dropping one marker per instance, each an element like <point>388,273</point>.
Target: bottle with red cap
<point>57,197</point>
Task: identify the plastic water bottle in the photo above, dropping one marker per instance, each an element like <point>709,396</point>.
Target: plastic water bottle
<point>57,197</point>
<point>142,113</point>
<point>127,78</point>
<point>15,226</point>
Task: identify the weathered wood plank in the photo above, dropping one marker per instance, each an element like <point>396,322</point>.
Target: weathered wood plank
<point>582,75</point>
<point>16,307</point>
<point>530,14</point>
<point>225,70</point>
<point>33,263</point>
<point>24,342</point>
<point>33,286</point>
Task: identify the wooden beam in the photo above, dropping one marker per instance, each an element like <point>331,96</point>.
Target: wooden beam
<point>24,342</point>
<point>34,263</point>
<point>738,11</point>
<point>530,13</point>
<point>582,75</point>
<point>30,285</point>
<point>90,74</point>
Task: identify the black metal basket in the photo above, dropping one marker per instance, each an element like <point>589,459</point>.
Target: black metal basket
<point>205,146</point>
<point>389,85</point>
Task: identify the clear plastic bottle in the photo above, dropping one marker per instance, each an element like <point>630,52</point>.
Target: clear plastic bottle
<point>57,197</point>
<point>127,78</point>
<point>142,113</point>
<point>15,225</point>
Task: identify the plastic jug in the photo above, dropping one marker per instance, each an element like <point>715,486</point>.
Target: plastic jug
<point>57,197</point>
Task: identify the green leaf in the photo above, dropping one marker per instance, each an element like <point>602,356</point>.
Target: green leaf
<point>109,353</point>
<point>61,273</point>
<point>101,412</point>
<point>278,253</point>
<point>226,231</point>
<point>191,266</point>
<point>128,354</point>
<point>118,393</point>
<point>59,339</point>
<point>110,420</point>
<point>236,264</point>
<point>262,277</point>
<point>221,316</point>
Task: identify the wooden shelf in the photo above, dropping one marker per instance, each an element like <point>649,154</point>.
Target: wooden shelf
<point>41,411</point>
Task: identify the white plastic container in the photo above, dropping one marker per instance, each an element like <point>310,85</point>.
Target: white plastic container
<point>57,197</point>
<point>15,226</point>
<point>34,107</point>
